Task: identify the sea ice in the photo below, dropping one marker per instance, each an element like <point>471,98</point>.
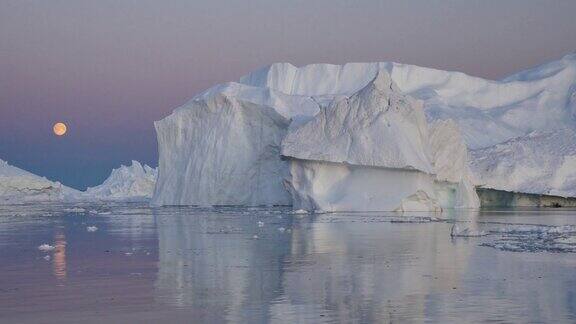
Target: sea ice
<point>46,247</point>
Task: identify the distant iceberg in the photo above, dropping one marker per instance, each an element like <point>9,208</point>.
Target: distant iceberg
<point>19,186</point>
<point>127,183</point>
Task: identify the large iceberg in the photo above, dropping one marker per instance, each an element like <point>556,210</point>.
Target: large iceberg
<point>19,186</point>
<point>127,183</point>
<point>339,145</point>
<point>236,144</point>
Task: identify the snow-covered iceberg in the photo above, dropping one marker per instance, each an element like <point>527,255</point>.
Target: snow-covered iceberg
<point>372,151</point>
<point>126,183</point>
<point>19,186</point>
<point>224,148</point>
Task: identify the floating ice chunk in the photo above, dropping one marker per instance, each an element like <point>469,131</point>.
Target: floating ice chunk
<point>300,211</point>
<point>281,229</point>
<point>74,210</point>
<point>457,231</point>
<point>47,258</point>
<point>260,224</point>
<point>91,228</point>
<point>46,247</point>
<point>255,236</point>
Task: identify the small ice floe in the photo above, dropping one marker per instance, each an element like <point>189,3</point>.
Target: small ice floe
<point>91,228</point>
<point>104,213</point>
<point>281,229</point>
<point>128,253</point>
<point>456,231</point>
<point>47,258</point>
<point>46,247</point>
<point>74,210</point>
<point>255,237</point>
<point>260,224</point>
<point>300,211</point>
<point>92,211</point>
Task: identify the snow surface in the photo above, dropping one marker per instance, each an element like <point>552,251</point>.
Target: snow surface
<point>542,162</point>
<point>126,183</point>
<point>19,186</point>
<point>488,112</point>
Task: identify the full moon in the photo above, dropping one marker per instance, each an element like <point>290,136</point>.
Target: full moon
<point>59,129</point>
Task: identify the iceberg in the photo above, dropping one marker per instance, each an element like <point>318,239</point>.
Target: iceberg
<point>238,144</point>
<point>19,186</point>
<point>368,136</point>
<point>134,183</point>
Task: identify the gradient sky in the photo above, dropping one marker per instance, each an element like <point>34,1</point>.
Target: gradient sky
<point>109,68</point>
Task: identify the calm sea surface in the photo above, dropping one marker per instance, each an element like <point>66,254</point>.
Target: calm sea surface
<point>122,263</point>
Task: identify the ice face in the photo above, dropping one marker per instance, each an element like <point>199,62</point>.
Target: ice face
<point>221,150</point>
<point>373,151</point>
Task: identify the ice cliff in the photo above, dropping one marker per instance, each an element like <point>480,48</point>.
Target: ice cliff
<point>126,183</point>
<point>236,144</point>
<point>19,186</point>
<point>373,151</point>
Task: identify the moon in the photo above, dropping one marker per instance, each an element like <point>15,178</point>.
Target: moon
<point>59,129</point>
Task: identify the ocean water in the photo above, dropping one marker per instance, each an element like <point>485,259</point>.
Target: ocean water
<point>122,263</point>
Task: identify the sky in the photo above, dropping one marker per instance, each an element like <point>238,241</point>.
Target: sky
<point>110,68</point>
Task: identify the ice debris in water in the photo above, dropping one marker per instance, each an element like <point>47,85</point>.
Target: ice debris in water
<point>281,229</point>
<point>255,237</point>
<point>47,258</point>
<point>260,224</point>
<point>456,231</point>
<point>535,238</point>
<point>300,211</point>
<point>75,210</point>
<point>46,247</point>
<point>91,228</point>
<point>414,219</point>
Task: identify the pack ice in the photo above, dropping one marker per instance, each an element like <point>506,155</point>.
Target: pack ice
<point>372,149</point>
<point>19,186</point>
<point>127,183</point>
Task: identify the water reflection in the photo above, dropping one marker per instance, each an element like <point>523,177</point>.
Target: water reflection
<point>321,268</point>
<point>59,259</point>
